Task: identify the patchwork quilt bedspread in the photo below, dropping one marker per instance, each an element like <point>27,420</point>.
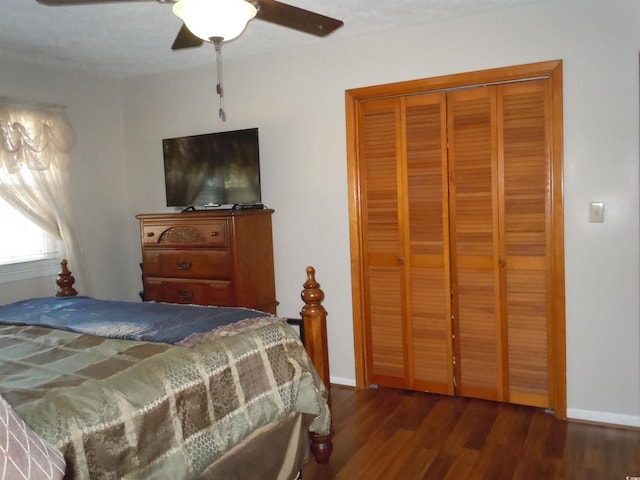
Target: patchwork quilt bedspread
<point>137,409</point>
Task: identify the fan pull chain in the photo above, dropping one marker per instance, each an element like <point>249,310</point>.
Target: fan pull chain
<point>217,42</point>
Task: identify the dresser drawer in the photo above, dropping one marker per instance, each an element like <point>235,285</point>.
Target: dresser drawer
<point>209,234</point>
<point>198,264</point>
<point>218,293</point>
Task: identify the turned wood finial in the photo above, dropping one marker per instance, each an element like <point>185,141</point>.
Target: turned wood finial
<point>65,281</point>
<point>312,295</point>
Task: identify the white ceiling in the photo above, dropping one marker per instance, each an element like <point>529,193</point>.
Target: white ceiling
<point>129,39</point>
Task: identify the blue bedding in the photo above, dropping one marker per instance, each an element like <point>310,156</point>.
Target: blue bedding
<point>154,322</point>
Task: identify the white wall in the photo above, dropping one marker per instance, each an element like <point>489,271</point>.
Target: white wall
<point>98,188</point>
<point>297,101</point>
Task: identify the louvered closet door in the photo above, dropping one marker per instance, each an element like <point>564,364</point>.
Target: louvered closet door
<point>499,164</point>
<point>525,169</point>
<point>403,175</point>
<point>428,295</point>
<point>384,290</point>
<point>474,230</point>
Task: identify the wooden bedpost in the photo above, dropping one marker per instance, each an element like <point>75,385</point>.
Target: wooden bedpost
<point>65,281</point>
<point>314,318</point>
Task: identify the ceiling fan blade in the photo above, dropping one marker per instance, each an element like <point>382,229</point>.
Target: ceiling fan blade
<point>297,18</point>
<point>62,3</point>
<point>186,39</point>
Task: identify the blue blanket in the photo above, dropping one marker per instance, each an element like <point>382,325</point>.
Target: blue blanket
<point>154,322</point>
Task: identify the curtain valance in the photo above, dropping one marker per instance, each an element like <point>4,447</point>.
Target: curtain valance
<point>34,136</point>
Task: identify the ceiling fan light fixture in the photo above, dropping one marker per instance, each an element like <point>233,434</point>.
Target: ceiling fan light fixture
<point>209,19</point>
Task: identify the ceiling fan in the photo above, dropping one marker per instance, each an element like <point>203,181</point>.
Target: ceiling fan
<point>268,10</point>
<point>219,21</point>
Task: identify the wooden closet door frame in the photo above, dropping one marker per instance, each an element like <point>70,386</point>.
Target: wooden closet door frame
<point>551,70</point>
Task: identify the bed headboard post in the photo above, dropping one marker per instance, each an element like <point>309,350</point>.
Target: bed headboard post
<point>65,281</point>
<point>314,317</point>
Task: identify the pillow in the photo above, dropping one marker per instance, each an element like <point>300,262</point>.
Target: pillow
<point>23,454</point>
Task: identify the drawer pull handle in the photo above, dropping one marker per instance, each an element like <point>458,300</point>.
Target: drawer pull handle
<point>150,234</point>
<point>183,265</point>
<point>186,294</point>
<point>214,234</point>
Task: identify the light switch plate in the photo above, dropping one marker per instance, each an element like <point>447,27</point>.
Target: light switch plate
<point>596,212</point>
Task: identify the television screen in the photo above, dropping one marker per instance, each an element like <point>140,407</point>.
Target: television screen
<point>212,169</point>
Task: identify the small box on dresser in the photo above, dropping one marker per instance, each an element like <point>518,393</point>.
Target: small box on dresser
<point>222,258</point>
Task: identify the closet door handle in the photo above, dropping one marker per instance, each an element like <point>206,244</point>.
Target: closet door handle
<point>400,261</point>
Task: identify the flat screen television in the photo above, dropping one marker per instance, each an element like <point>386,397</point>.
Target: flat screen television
<point>212,169</point>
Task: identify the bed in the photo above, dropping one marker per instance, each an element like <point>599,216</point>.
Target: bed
<point>148,390</point>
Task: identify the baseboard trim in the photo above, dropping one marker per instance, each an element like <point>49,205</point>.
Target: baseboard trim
<point>603,417</point>
<point>347,382</point>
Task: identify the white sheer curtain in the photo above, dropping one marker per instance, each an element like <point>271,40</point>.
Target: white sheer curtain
<point>34,143</point>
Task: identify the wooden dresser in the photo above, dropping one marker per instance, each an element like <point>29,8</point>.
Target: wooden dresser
<point>222,258</point>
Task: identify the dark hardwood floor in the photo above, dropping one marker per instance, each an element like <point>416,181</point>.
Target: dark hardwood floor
<point>393,434</point>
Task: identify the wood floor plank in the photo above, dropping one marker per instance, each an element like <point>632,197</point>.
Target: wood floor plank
<point>440,466</point>
<point>537,467</point>
<point>390,434</point>
<point>374,456</point>
<point>474,426</point>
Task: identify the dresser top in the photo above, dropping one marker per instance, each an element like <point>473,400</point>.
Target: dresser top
<point>205,214</point>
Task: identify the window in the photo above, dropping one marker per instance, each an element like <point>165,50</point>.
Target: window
<point>26,251</point>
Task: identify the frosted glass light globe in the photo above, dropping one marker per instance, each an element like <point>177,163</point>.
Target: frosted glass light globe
<point>208,19</point>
